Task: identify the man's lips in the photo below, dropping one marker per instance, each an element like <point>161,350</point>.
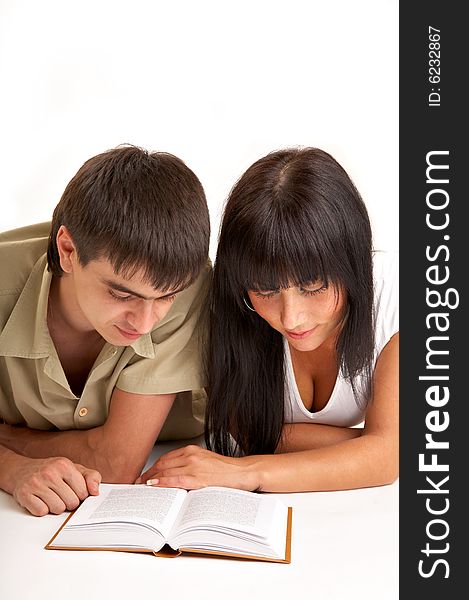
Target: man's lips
<point>131,335</point>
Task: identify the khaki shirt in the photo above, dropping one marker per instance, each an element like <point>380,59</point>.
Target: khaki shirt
<point>34,390</point>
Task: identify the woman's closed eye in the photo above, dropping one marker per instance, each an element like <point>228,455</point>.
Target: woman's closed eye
<point>265,294</point>
<point>309,290</point>
<point>313,290</point>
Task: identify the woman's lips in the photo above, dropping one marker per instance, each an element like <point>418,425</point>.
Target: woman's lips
<point>300,335</point>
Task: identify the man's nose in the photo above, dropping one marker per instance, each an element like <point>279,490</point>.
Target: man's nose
<point>144,318</point>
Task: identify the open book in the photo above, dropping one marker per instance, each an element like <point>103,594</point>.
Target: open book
<point>169,521</point>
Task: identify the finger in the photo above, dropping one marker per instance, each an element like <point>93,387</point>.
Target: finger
<point>66,495</point>
<point>173,459</point>
<point>188,456</point>
<point>45,496</point>
<point>37,507</point>
<point>57,503</point>
<point>148,474</point>
<point>182,472</point>
<point>59,483</point>
<point>31,503</point>
<point>160,466</point>
<point>75,480</point>
<point>186,482</point>
<point>175,463</point>
<point>178,452</point>
<point>93,479</point>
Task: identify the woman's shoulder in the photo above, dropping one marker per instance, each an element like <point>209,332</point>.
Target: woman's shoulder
<point>386,273</point>
<point>386,264</point>
<point>386,292</point>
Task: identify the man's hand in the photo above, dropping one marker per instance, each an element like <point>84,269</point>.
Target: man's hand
<point>53,485</point>
<point>118,449</point>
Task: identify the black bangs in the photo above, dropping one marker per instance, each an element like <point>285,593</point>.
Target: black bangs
<point>294,218</point>
<point>283,245</point>
<point>277,260</point>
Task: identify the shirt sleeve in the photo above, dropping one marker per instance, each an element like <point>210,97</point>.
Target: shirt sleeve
<point>176,363</point>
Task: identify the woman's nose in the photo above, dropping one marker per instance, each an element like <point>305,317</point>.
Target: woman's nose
<point>292,316</point>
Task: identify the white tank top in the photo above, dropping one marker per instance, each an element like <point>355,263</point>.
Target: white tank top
<point>342,408</point>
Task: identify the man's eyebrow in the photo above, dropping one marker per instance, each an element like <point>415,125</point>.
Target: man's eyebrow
<point>122,288</point>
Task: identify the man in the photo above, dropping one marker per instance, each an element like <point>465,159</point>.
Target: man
<point>100,328</point>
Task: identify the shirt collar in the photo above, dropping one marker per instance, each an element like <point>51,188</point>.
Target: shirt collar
<point>26,334</point>
<point>144,346</point>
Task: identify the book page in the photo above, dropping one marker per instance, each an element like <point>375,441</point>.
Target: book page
<point>227,507</point>
<point>227,519</point>
<point>137,503</point>
<point>155,507</point>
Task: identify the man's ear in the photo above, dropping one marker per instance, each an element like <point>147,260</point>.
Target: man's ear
<point>66,249</point>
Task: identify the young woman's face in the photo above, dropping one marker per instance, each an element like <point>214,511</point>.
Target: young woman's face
<point>305,316</point>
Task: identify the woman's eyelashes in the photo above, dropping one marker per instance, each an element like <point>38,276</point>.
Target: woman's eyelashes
<point>264,294</point>
<point>312,292</point>
<point>303,290</point>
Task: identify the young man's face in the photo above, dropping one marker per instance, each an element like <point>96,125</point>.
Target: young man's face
<point>119,309</point>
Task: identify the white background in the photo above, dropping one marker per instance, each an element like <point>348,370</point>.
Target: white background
<point>344,547</point>
<point>218,83</point>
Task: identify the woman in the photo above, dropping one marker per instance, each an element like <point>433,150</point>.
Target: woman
<point>303,353</point>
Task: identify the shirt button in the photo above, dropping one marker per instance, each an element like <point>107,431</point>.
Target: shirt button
<point>83,412</point>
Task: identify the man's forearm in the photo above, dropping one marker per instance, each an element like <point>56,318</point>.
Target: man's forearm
<point>118,449</point>
<point>35,443</point>
<point>87,447</point>
<point>9,461</point>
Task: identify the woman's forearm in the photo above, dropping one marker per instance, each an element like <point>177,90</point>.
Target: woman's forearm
<point>308,436</point>
<point>364,461</point>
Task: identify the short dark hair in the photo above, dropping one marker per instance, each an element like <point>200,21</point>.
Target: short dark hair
<point>294,217</point>
<point>140,210</point>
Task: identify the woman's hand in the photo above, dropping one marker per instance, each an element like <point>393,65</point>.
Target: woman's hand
<point>193,467</point>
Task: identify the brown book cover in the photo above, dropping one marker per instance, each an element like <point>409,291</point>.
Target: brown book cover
<point>167,552</point>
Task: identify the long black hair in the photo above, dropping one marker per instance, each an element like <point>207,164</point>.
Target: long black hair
<point>294,217</point>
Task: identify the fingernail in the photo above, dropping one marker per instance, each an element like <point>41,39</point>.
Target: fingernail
<point>153,481</point>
